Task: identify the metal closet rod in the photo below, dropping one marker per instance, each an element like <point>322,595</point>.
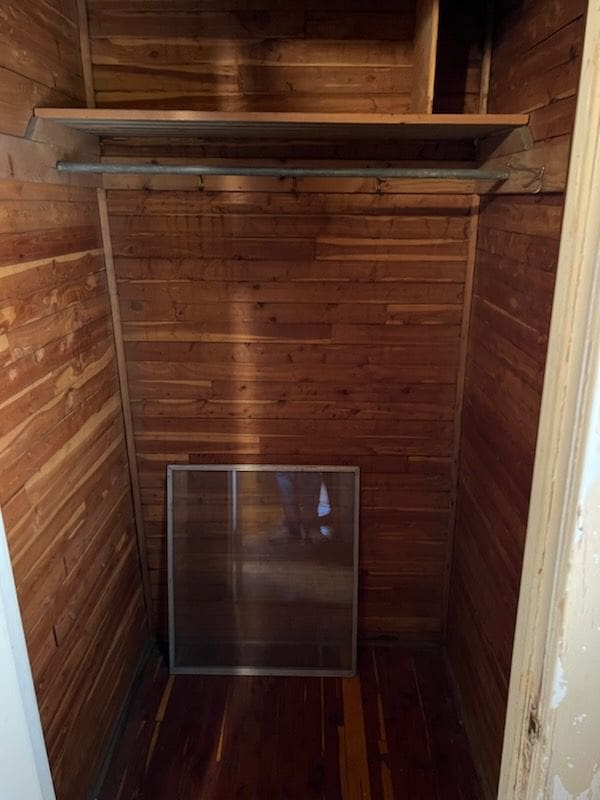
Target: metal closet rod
<point>418,173</point>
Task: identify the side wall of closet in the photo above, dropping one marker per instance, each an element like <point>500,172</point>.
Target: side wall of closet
<point>64,493</point>
<point>535,68</point>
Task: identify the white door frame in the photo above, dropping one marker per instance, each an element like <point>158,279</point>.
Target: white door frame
<point>552,735</point>
<point>24,769</point>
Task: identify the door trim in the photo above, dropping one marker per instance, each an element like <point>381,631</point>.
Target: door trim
<point>561,479</point>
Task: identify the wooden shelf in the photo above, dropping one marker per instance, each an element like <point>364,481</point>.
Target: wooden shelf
<point>274,125</point>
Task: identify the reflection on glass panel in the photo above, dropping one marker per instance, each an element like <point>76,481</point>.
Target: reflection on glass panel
<point>262,569</point>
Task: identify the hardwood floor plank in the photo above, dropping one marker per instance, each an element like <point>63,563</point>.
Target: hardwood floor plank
<point>356,745</point>
<point>125,775</point>
<point>456,777</point>
<point>413,774</point>
<point>183,763</point>
<point>390,733</point>
<point>376,738</point>
<point>332,716</point>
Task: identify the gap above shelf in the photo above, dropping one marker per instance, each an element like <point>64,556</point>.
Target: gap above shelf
<point>281,125</point>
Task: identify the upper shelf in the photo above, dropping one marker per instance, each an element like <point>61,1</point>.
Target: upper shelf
<point>276,125</point>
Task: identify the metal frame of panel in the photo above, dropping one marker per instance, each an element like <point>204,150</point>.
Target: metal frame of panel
<point>233,469</point>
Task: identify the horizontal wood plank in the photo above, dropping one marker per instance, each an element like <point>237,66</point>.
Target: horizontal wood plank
<point>333,334</point>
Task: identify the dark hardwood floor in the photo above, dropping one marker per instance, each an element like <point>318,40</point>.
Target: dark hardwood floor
<point>392,733</point>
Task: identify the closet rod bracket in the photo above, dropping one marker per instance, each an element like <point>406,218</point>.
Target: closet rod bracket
<point>537,174</point>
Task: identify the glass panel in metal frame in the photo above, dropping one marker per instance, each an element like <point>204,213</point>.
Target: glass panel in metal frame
<point>262,569</point>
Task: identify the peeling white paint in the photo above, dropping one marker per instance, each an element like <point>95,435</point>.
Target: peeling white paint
<point>579,527</point>
<point>559,792</point>
<point>573,716</point>
<point>559,688</point>
<point>575,695</point>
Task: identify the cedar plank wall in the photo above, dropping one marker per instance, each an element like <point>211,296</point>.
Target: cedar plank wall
<point>272,321</point>
<point>535,67</point>
<point>303,55</point>
<point>64,485</point>
<point>300,328</point>
<point>458,66</point>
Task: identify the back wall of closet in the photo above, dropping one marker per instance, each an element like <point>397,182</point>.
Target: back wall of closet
<point>282,321</point>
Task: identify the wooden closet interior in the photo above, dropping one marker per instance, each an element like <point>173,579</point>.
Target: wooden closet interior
<point>393,317</point>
